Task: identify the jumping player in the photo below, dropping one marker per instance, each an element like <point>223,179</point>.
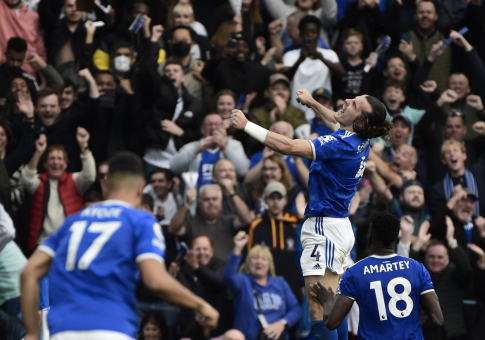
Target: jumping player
<point>338,165</point>
<point>388,288</point>
<point>93,260</point>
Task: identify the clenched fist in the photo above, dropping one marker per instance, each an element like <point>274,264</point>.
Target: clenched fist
<point>238,119</point>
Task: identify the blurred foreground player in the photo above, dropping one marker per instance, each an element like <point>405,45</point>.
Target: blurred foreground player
<point>93,260</point>
<point>388,288</point>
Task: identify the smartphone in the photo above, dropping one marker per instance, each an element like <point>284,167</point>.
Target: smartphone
<point>232,43</point>
<point>182,251</point>
<point>406,37</point>
<point>307,42</point>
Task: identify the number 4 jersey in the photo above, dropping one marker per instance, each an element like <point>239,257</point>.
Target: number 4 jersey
<point>94,268</point>
<point>387,290</point>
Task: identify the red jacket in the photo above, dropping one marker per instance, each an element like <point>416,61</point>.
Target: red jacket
<point>68,195</point>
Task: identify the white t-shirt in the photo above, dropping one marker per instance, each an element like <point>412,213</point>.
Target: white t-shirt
<point>311,74</point>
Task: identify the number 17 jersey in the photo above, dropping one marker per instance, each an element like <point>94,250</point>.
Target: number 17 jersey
<point>93,273</point>
<point>387,290</point>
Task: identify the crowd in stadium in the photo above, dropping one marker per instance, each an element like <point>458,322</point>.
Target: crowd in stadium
<point>80,81</point>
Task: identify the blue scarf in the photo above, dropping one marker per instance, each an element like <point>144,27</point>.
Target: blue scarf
<point>209,157</point>
<point>470,184</point>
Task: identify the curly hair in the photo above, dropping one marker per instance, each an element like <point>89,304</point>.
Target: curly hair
<point>373,124</point>
<point>384,227</point>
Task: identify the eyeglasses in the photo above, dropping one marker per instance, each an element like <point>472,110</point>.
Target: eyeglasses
<point>454,113</point>
<point>401,65</point>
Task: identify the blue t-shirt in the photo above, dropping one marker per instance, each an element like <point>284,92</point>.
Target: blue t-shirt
<point>339,161</point>
<point>387,290</point>
<point>93,273</point>
<point>290,162</point>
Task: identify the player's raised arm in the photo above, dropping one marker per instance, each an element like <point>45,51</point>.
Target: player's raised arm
<point>335,308</point>
<point>274,141</point>
<point>305,98</point>
<point>156,278</point>
<point>37,267</point>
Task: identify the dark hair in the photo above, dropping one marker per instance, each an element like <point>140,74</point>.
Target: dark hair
<point>392,56</point>
<point>155,318</point>
<point>120,45</point>
<point>193,35</point>
<point>146,199</point>
<point>453,113</point>
<point>127,163</point>
<point>384,227</point>
<point>11,139</point>
<point>373,124</point>
<point>309,19</point>
<point>69,83</point>
<point>105,72</point>
<point>435,8</point>
<point>395,83</point>
<point>173,62</point>
<point>48,92</point>
<point>93,196</point>
<point>168,174</point>
<point>17,44</point>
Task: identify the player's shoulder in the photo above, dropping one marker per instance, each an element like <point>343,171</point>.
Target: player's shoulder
<point>348,139</point>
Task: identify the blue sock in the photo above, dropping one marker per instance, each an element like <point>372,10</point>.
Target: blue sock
<point>343,330</point>
<point>322,332</point>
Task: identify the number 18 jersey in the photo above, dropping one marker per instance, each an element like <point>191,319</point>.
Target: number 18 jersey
<point>387,290</point>
<point>93,273</point>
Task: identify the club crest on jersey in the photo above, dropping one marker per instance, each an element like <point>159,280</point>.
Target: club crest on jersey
<point>326,139</point>
<point>362,147</point>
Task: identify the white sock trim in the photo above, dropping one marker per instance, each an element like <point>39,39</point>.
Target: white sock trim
<point>256,131</point>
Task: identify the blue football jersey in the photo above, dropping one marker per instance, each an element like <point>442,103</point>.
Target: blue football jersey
<point>94,270</point>
<point>338,164</point>
<point>387,290</point>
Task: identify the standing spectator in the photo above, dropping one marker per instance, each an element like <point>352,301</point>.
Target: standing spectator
<point>181,42</point>
<point>55,193</point>
<point>164,189</point>
<point>17,21</point>
<point>424,36</point>
<point>453,156</point>
<point>325,10</point>
<point>201,155</point>
<point>279,108</point>
<point>311,66</point>
<point>234,195</point>
<point>450,273</point>
<point>168,129</point>
<point>208,220</point>
<point>276,230</point>
<point>258,280</point>
<point>201,272</point>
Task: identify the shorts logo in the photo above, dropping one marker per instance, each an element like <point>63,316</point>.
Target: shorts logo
<point>317,266</point>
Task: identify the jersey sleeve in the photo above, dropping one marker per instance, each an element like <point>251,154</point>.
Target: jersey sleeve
<point>325,147</point>
<point>426,284</point>
<point>346,286</point>
<point>150,243</point>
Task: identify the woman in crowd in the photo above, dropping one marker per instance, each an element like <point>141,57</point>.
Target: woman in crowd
<point>276,302</point>
<point>152,327</point>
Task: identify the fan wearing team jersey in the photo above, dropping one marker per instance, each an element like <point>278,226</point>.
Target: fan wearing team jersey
<point>339,161</point>
<point>93,262</point>
<point>389,289</point>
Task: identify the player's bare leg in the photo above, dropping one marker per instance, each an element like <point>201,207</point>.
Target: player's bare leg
<point>330,279</point>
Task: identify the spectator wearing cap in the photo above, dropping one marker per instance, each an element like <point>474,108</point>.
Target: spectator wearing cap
<point>325,98</point>
<point>182,41</point>
<point>235,71</point>
<point>453,156</point>
<point>17,21</point>
<point>310,66</point>
<point>279,108</point>
<point>461,208</point>
<point>297,166</point>
<point>276,230</point>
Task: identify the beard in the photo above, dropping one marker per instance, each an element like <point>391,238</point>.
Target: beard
<point>412,209</point>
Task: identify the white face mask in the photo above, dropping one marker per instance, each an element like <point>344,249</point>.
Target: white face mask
<point>122,64</point>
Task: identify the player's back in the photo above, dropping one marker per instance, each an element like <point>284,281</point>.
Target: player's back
<point>93,272</point>
<point>387,290</point>
<point>337,169</point>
